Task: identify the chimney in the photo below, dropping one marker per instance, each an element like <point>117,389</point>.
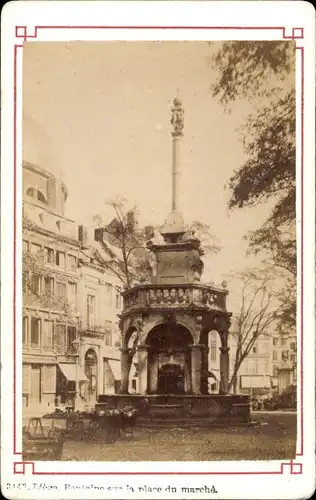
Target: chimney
<point>55,195</point>
<point>99,234</point>
<point>83,235</point>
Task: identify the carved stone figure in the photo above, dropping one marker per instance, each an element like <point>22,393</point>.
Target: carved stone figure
<point>177,118</point>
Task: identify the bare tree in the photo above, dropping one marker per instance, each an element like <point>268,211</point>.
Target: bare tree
<point>259,308</point>
<point>124,234</point>
<point>36,283</point>
<point>208,240</point>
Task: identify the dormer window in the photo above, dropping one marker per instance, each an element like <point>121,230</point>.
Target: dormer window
<point>41,197</point>
<point>35,193</point>
<point>31,192</point>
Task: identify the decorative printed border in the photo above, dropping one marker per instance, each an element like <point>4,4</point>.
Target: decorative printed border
<point>21,32</point>
<point>285,467</point>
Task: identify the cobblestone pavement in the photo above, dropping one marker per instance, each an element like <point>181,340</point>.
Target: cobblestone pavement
<point>273,439</point>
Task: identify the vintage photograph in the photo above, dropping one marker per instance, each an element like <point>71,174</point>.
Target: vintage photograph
<point>159,259</point>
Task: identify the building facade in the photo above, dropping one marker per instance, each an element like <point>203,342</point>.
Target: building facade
<point>270,366</point>
<point>70,335</point>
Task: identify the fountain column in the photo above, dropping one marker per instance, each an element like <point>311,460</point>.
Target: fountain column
<point>196,366</point>
<point>124,371</point>
<point>224,356</point>
<point>143,369</point>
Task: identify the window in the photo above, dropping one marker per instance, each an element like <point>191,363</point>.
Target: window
<point>72,262</point>
<point>90,311</point>
<point>60,259</point>
<point>26,379</point>
<point>275,341</point>
<point>293,346</point>
<point>266,347</point>
<point>253,367</point>
<point>108,338</point>
<point>31,192</point>
<point>49,255</point>
<point>285,355</point>
<point>108,332</point>
<point>36,284</point>
<point>293,357</point>
<point>49,284</point>
<point>49,379</point>
<point>266,368</point>
<point>283,341</point>
<point>275,371</point>
<point>108,287</point>
<point>254,350</point>
<point>41,197</point>
<point>35,332</point>
<point>61,290</point>
<point>117,301</point>
<point>35,248</point>
<point>60,337</point>
<point>26,246</point>
<point>48,335</point>
<point>25,330</point>
<point>72,294</point>
<point>71,335</point>
<point>213,347</point>
<point>275,355</point>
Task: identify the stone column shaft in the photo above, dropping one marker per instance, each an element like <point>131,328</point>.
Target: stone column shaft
<point>187,373</point>
<point>224,369</point>
<point>143,368</point>
<point>153,373</point>
<point>124,371</point>
<point>176,163</point>
<point>196,366</point>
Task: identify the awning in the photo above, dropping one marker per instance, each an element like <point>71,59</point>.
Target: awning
<point>115,365</point>
<point>70,372</point>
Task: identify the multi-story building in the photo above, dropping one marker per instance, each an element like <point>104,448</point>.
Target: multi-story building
<point>71,301</point>
<point>284,361</point>
<point>270,365</point>
<point>255,371</point>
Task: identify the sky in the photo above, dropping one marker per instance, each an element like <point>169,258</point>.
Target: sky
<point>102,111</point>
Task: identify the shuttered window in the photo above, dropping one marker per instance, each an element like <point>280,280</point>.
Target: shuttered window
<point>48,335</point>
<point>26,379</point>
<point>60,338</point>
<point>49,379</point>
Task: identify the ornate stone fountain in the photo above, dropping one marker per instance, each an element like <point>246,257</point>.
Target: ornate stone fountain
<point>171,318</point>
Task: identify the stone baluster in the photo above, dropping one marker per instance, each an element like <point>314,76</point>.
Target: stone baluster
<point>143,368</point>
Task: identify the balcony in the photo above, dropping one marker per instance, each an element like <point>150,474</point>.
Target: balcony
<point>204,297</point>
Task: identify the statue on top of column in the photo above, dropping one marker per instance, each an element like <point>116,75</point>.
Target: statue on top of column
<point>177,118</point>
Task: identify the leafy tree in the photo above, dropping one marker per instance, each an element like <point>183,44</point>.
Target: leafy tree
<point>259,308</point>
<point>252,70</point>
